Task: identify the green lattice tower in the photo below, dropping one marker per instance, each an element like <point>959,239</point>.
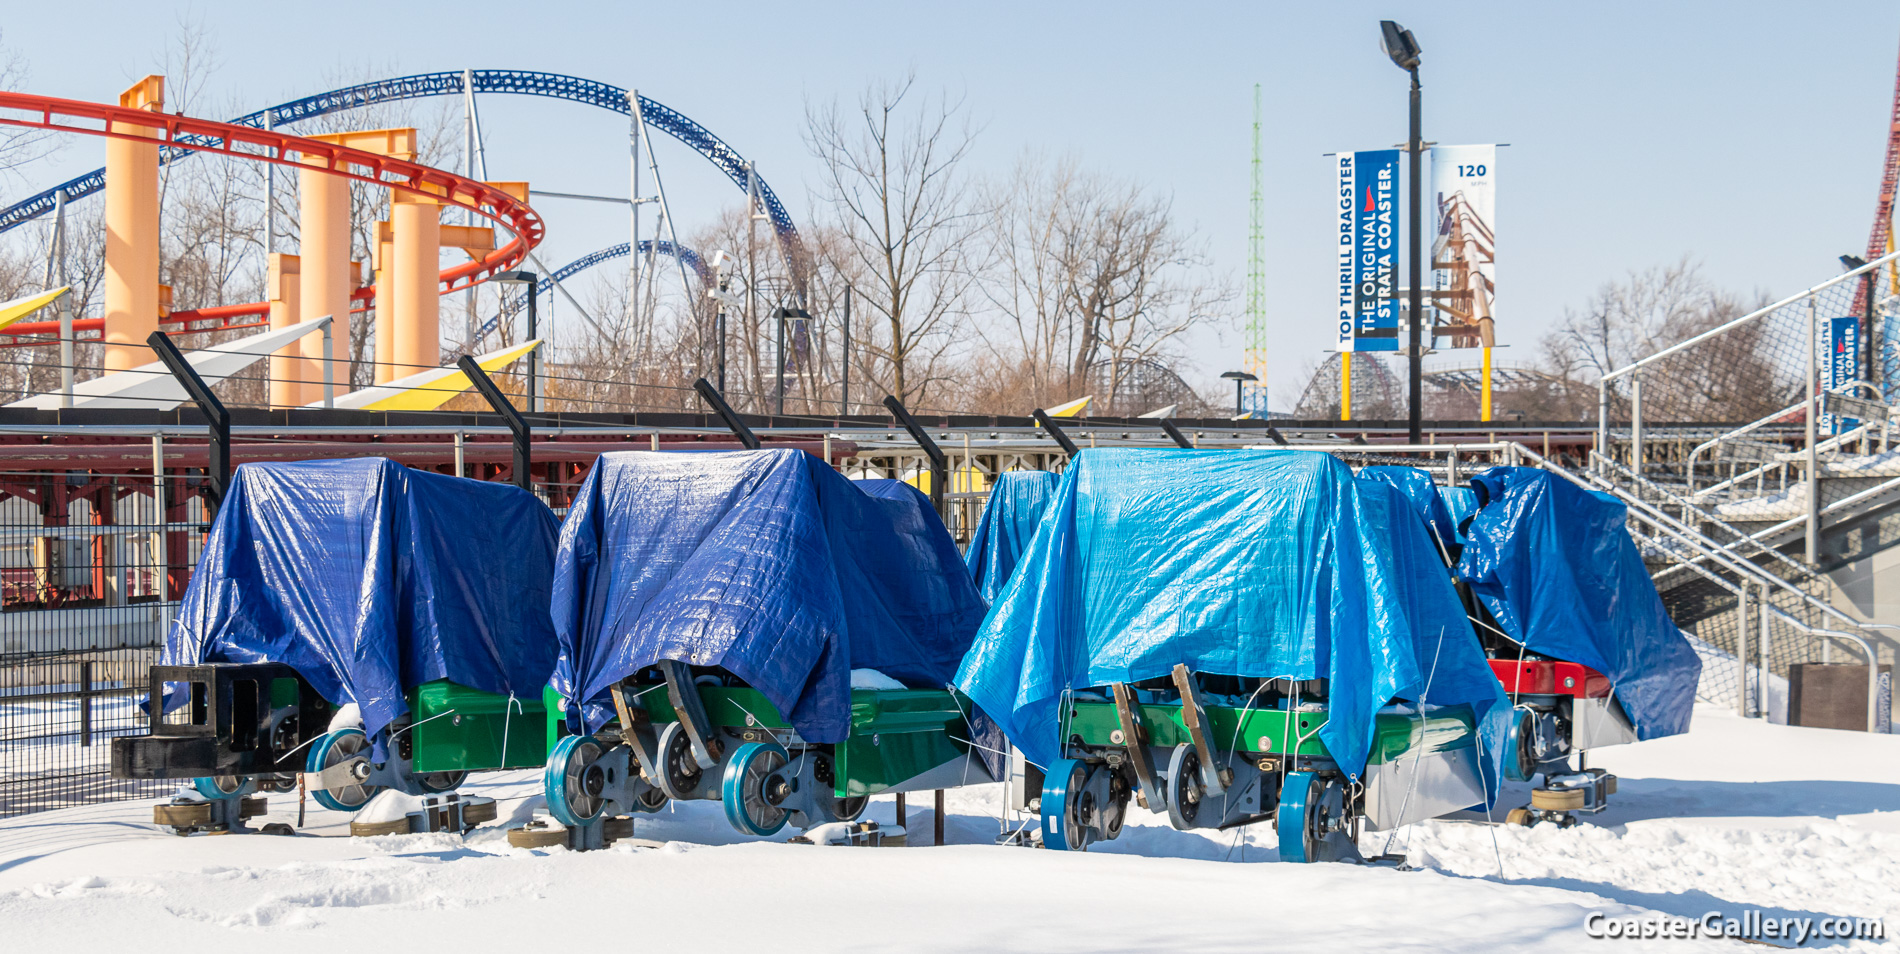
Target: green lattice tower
<point>1255,360</point>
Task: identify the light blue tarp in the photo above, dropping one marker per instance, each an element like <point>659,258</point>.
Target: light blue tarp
<point>370,579</point>
<point>1460,503</point>
<point>766,563</point>
<point>1250,563</point>
<point>1015,507</point>
<point>1555,565</point>
<point>1423,496</point>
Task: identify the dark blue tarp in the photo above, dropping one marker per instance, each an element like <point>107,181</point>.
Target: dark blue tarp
<point>1423,496</point>
<point>1555,565</point>
<point>1009,521</point>
<point>766,563</point>
<point>370,578</point>
<point>1250,563</point>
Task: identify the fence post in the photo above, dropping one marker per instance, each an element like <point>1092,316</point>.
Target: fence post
<point>713,400</point>
<point>85,703</point>
<point>329,374</point>
<point>1603,418</point>
<point>1812,537</point>
<point>1636,423</point>
<point>1741,651</point>
<point>1055,431</point>
<point>939,464</point>
<point>208,403</point>
<point>1762,671</point>
<point>524,461</point>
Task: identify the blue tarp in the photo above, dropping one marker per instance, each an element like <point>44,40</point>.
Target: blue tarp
<point>1423,496</point>
<point>766,563</point>
<point>1249,563</point>
<point>370,578</point>
<point>1009,522</point>
<point>1460,503</point>
<point>1555,565</point>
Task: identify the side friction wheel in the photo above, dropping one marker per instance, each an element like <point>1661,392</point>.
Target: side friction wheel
<point>845,809</point>
<point>1184,787</point>
<point>753,788</point>
<point>333,749</point>
<point>680,775</point>
<point>435,783</point>
<point>574,781</point>
<point>1066,803</point>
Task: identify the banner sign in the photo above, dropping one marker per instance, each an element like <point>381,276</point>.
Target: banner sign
<point>1368,223</point>
<point>1464,270</point>
<point>1842,368</point>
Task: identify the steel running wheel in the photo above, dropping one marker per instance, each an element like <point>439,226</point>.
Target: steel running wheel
<point>1184,787</point>
<point>680,774</point>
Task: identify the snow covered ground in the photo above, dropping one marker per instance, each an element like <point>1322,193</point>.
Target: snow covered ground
<point>1738,816</point>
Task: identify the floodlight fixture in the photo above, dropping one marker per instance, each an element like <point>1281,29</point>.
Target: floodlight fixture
<point>1399,45</point>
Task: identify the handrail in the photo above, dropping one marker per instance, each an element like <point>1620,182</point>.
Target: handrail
<point>1831,444</point>
<point>1693,538</point>
<point>1848,501</point>
<point>1866,648</point>
<point>1741,567</point>
<point>1751,316</point>
<point>1769,551</point>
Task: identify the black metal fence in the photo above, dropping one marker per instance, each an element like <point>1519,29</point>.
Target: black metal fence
<point>91,567</point>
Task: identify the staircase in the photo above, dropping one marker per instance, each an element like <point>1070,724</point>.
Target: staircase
<point>1742,532</point>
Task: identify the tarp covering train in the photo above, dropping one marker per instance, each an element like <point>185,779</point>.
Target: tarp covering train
<point>1247,563</point>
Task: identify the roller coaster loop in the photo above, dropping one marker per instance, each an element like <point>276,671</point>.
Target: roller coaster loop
<point>513,304</point>
<point>519,82</point>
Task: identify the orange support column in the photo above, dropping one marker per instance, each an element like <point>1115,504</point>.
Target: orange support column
<point>131,285</point>
<point>385,307</point>
<point>415,223</point>
<point>399,143</point>
<point>285,299</point>
<point>323,219</point>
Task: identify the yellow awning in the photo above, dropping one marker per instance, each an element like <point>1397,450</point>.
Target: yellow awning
<point>19,308</point>
<point>428,390</point>
<point>1072,409</point>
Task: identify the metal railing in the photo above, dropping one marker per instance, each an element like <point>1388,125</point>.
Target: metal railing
<point>1769,585</point>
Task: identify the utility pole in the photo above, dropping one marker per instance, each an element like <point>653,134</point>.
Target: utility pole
<point>1255,361</point>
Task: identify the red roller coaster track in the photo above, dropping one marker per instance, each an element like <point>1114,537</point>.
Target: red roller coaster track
<point>1889,179</point>
<point>244,142</point>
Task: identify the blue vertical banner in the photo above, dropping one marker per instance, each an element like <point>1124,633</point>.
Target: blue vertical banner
<point>1842,369</point>
<point>1368,223</point>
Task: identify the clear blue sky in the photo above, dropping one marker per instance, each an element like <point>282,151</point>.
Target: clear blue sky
<point>1747,135</point>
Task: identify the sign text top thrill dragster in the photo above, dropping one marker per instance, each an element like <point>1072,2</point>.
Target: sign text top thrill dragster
<point>1368,222</point>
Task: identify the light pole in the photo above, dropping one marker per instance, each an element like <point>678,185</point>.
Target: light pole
<point>1240,379</point>
<point>1403,50</point>
<point>533,281</point>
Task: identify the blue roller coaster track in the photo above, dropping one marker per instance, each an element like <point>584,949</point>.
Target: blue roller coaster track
<point>519,82</point>
<point>513,304</point>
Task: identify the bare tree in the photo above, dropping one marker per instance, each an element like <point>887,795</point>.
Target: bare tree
<point>892,178</point>
<point>1648,311</point>
<point>1094,284</point>
<point>19,146</point>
